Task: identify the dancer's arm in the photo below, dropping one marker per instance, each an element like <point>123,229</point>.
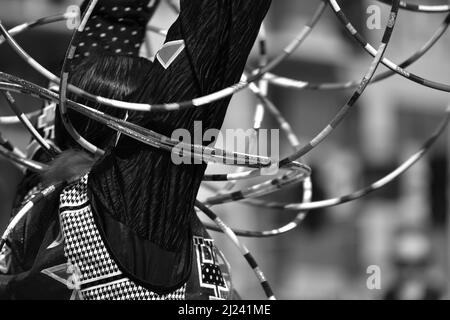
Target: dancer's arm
<point>206,50</point>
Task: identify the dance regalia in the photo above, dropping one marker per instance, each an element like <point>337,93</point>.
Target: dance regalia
<point>100,238</point>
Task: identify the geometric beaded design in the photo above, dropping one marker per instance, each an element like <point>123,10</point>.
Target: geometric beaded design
<point>211,277</point>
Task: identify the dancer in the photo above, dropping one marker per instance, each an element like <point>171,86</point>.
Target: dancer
<point>128,225</point>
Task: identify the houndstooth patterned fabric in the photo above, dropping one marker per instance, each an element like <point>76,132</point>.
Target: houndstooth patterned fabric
<point>127,290</point>
<point>101,278</point>
<point>83,245</point>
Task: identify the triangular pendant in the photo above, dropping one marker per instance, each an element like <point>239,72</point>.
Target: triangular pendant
<point>67,274</point>
<point>169,52</point>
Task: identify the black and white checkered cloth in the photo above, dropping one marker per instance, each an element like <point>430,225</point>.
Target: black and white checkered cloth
<point>101,278</point>
<point>126,290</point>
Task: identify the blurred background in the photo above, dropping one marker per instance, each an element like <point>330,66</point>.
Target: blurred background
<point>402,230</point>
